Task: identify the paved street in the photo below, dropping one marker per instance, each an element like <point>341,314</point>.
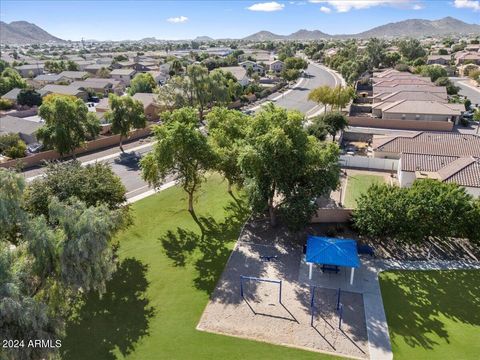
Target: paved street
<point>126,166</point>
<point>297,97</point>
<point>467,89</point>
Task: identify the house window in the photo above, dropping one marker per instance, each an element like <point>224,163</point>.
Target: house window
<point>403,116</point>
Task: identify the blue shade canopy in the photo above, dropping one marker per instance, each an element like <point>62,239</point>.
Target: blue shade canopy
<point>330,251</point>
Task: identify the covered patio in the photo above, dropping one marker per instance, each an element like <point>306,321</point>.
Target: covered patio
<point>331,253</point>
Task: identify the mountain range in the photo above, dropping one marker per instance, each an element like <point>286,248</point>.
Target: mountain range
<point>406,28</point>
<point>22,32</point>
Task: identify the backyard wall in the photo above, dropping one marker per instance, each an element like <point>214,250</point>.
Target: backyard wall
<point>332,215</point>
<point>97,144</point>
<point>364,162</point>
<point>400,124</point>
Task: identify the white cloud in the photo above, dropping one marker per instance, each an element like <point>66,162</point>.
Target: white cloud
<point>325,10</point>
<point>347,5</point>
<point>177,19</point>
<point>418,7</point>
<point>267,6</point>
<point>467,4</point>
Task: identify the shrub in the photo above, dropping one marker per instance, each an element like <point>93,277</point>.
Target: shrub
<point>12,146</point>
<point>5,104</point>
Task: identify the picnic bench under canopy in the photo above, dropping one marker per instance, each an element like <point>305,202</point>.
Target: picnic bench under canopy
<point>332,251</point>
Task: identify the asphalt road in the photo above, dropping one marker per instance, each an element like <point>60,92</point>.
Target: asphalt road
<point>297,97</point>
<point>467,89</point>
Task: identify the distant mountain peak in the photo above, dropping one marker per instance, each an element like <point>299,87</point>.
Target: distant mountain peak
<point>23,32</point>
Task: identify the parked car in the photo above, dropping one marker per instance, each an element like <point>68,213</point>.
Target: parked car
<point>34,148</point>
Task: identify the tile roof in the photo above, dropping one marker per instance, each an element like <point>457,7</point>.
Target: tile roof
<point>425,162</point>
<point>11,124</point>
<point>468,175</point>
<point>421,107</point>
<point>433,143</point>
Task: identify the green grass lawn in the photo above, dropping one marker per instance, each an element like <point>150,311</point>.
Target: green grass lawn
<point>357,184</point>
<point>167,271</point>
<point>433,314</point>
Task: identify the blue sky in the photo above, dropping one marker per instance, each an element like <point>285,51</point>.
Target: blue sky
<point>117,20</point>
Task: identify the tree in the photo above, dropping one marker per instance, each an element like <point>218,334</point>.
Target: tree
<point>341,96</point>
<point>334,122</point>
<point>290,74</point>
<point>411,49</point>
<point>375,53</point>
<point>94,185</point>
<point>45,267</point>
<point>29,97</point>
<point>476,115</point>
<point>142,83</point>
<point>467,104</point>
<point>295,63</point>
<point>11,79</point>
<point>12,146</point>
<point>322,95</point>
<point>226,129</point>
<point>68,123</point>
<point>182,151</point>
<point>125,114</point>
<point>176,66</point>
<point>103,73</point>
<point>72,65</point>
<point>451,88</point>
<point>317,128</point>
<point>446,209</point>
<point>434,72</point>
<point>285,168</point>
<point>198,89</point>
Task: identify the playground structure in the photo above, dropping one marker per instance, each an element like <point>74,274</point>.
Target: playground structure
<point>338,306</point>
<point>270,300</point>
<point>252,278</point>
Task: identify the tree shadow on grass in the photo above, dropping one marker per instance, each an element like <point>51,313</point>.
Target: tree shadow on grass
<point>208,249</point>
<point>114,321</point>
<point>415,299</point>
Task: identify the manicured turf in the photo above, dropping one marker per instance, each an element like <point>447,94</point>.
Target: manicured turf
<point>357,184</point>
<point>167,271</point>
<point>433,314</point>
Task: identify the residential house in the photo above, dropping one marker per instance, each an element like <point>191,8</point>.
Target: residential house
<point>64,90</point>
<point>145,66</point>
<point>151,108</point>
<point>417,110</point>
<point>25,128</point>
<point>239,73</point>
<point>275,66</point>
<point>44,79</point>
<point>409,95</point>
<point>159,77</point>
<point>12,95</point>
<point>75,75</point>
<point>467,57</point>
<point>30,70</point>
<point>123,75</point>
<point>93,68</point>
<point>257,68</point>
<point>447,157</point>
<point>439,59</point>
<point>82,65</point>
<point>103,86</point>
